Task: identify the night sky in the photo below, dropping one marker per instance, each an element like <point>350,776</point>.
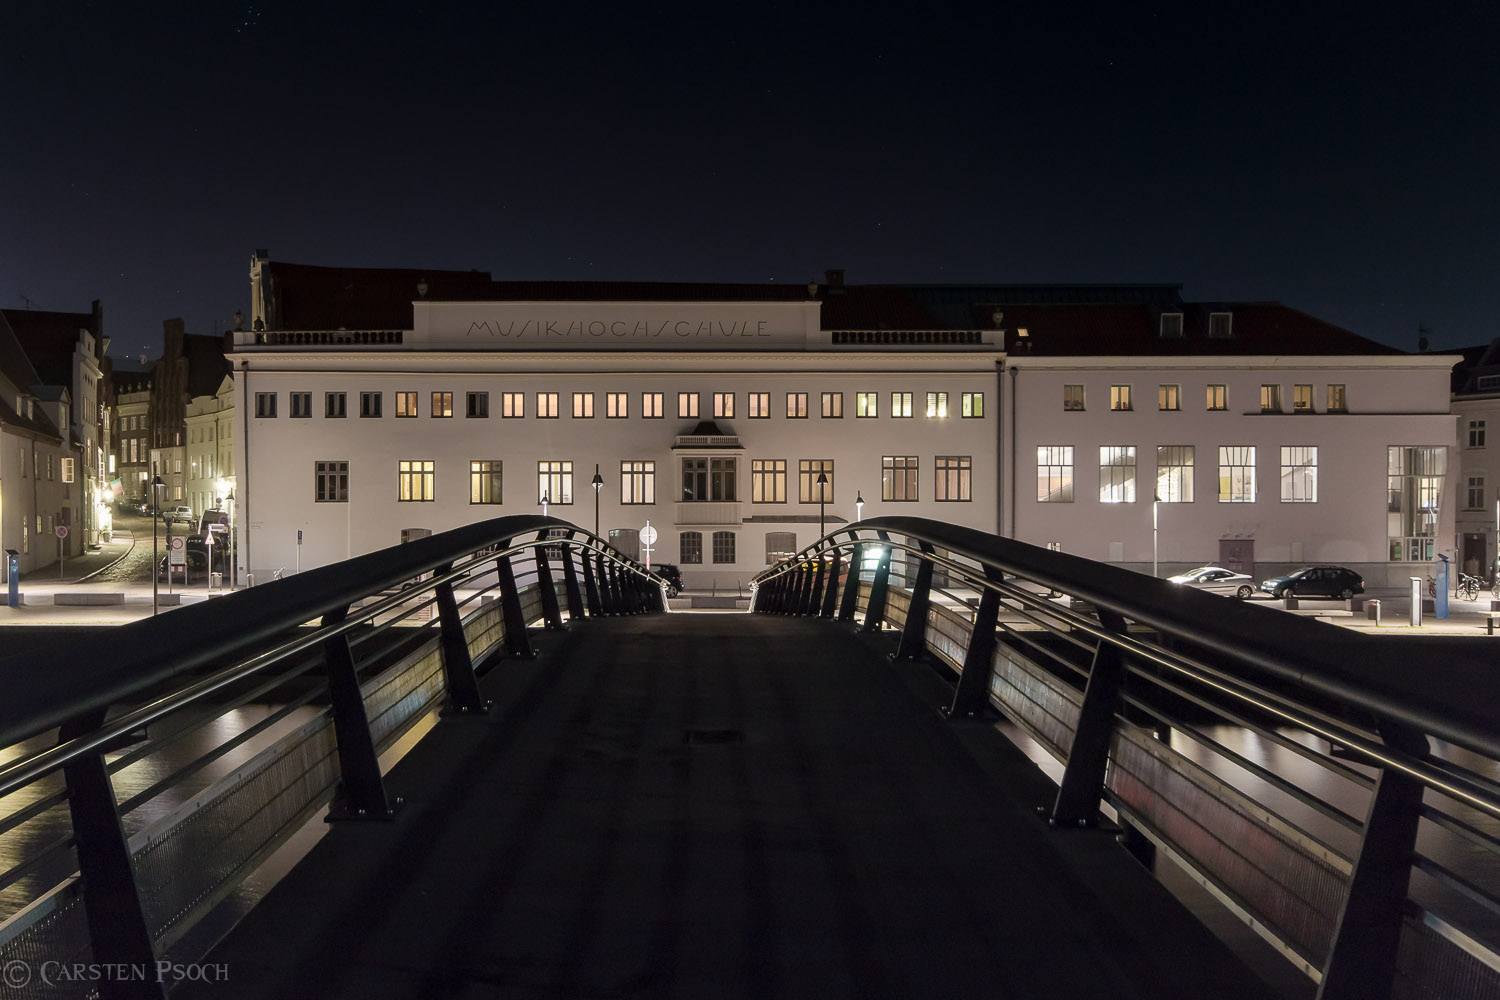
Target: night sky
<point>1344,161</point>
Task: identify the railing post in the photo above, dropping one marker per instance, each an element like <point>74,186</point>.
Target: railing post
<point>849,604</point>
<point>517,642</point>
<point>606,592</point>
<point>973,692</point>
<point>875,610</point>
<point>550,613</point>
<point>1083,776</point>
<point>458,666</point>
<point>1362,960</point>
<point>590,584</point>
<point>815,588</point>
<point>118,935</point>
<point>361,791</point>
<point>830,593</point>
<point>570,580</point>
<point>913,644</point>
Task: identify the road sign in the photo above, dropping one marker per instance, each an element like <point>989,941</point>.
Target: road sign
<point>648,534</point>
<point>177,551</point>
<point>61,531</point>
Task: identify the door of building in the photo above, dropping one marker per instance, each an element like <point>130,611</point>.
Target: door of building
<point>1475,559</point>
<point>1238,554</point>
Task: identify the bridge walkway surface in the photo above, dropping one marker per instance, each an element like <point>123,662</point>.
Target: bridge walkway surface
<point>718,805</point>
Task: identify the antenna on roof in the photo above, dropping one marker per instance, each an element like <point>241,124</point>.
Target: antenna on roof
<point>26,299</point>
<point>1423,332</point>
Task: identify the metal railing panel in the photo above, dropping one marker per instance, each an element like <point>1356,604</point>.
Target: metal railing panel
<point>948,634</point>
<point>897,601</point>
<point>1437,962</point>
<point>1280,877</point>
<point>399,697</point>
<point>53,928</point>
<point>1034,699</point>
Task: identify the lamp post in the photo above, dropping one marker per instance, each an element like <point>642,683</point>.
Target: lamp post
<point>598,483</point>
<point>822,500</point>
<point>546,500</point>
<point>156,485</point>
<point>233,547</point>
<point>859,506</point>
<point>1155,502</point>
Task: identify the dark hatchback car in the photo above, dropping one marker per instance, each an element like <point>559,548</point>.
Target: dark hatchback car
<point>671,576</point>
<point>1315,581</point>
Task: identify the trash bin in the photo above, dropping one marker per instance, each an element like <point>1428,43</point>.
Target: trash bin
<point>1372,611</point>
<point>216,580</point>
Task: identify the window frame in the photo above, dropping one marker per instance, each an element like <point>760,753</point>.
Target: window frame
<point>406,400</point>
<point>764,471</point>
<point>898,477</point>
<point>548,405</point>
<point>416,476</point>
<point>616,405</point>
<point>512,405</point>
<point>442,405</point>
<point>796,406</point>
<point>723,406</point>
<point>972,406</point>
<point>477,405</point>
<point>1073,402</point>
<point>953,473</point>
<point>687,406</point>
<point>371,405</point>
<point>637,482</point>
<point>299,405</point>
<point>486,476</point>
<point>1222,395</point>
<point>332,474</point>
<point>1169,397</point>
<point>1119,398</point>
<point>1055,465</point>
<point>866,405</point>
<point>583,406</point>
<point>335,405</point>
<point>901,405</point>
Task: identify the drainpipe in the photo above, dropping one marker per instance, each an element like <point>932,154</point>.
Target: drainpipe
<point>1012,451</point>
<point>244,483</point>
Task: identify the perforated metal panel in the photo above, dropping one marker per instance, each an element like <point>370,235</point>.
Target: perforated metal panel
<point>1035,700</point>
<point>1441,964</point>
<point>52,929</point>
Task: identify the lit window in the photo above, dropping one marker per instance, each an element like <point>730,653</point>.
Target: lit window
<point>637,482</point>
<point>866,404</point>
<point>369,404</point>
<point>477,404</point>
<point>1054,474</point>
<point>1119,397</point>
<point>1299,474</point>
<point>301,404</point>
<point>1218,397</point>
<point>512,404</point>
<point>796,405</point>
<point>833,404</point>
<point>1415,483</point>
<point>616,405</point>
<point>332,482</point>
<point>1236,474</point>
<point>555,482</point>
<point>1270,399</point>
<point>442,404</point>
<point>687,404</point>
<point>485,482</point>
<point>583,405</point>
<point>808,488</point>
<point>900,404</point>
<point>406,404</point>
<point>1302,399</point>
<point>333,404</point>
<point>690,548</point>
<point>1169,397</point>
<point>1072,397</point>
<point>1174,473</point>
<point>937,406</point>
<point>898,477</point>
<point>415,480</point>
<point>768,480</point>
<point>546,405</point>
<point>759,405</point>
<point>954,473</point>
<point>651,405</point>
<point>1336,401</point>
<point>1117,474</point>
<point>724,405</point>
<point>973,404</point>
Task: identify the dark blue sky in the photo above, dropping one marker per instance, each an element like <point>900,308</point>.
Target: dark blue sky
<point>1343,162</point>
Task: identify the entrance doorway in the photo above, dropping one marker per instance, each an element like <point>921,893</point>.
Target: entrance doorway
<point>1475,556</point>
<point>1238,554</point>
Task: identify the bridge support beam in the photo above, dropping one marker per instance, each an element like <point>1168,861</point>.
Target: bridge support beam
<point>570,581</point>
<point>849,602</point>
<point>1083,776</point>
<point>913,645</point>
<point>973,692</point>
<point>361,791</point>
<point>830,593</point>
<point>118,935</point>
<point>591,585</point>
<point>458,666</point>
<point>875,610</point>
<point>517,642</point>
<point>1362,960</point>
<point>816,585</point>
<point>551,614</point>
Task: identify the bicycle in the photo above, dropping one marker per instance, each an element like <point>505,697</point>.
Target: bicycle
<point>1468,586</point>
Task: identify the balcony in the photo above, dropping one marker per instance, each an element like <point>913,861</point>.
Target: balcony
<point>707,513</point>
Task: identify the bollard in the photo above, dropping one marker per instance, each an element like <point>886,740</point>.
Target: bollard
<point>1416,600</point>
<point>1372,611</point>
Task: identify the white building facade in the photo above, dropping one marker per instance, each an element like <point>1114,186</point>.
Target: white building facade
<point>209,451</point>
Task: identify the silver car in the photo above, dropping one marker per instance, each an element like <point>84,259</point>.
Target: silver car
<point>1217,580</point>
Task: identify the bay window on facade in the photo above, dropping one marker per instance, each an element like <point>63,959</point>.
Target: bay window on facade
<point>1117,474</point>
<point>1415,482</point>
<point>1054,474</point>
<point>708,479</point>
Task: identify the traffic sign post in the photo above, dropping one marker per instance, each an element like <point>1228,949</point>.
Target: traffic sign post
<point>648,539</point>
<point>176,556</point>
<point>61,531</point>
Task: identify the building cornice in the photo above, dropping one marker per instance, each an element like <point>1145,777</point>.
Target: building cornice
<point>1374,362</point>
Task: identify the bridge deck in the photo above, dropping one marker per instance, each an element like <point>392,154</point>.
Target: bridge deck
<point>579,842</point>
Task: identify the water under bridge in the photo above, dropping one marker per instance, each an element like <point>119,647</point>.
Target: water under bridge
<point>930,762</point>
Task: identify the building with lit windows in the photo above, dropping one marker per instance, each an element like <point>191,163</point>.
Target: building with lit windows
<point>1476,403</point>
<point>739,420</point>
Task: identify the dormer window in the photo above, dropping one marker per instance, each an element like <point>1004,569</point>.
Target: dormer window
<point>1171,326</point>
<point>1219,326</point>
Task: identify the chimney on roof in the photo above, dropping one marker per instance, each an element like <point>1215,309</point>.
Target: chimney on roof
<point>834,276</point>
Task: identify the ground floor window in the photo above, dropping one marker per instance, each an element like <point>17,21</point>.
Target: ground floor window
<point>954,475</point>
<point>1414,478</point>
<point>690,548</point>
<point>723,546</point>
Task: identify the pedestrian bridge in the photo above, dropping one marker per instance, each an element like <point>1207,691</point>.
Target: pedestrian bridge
<point>541,784</point>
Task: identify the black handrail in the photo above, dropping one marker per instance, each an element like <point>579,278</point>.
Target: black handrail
<point>1357,669</point>
<point>92,673</point>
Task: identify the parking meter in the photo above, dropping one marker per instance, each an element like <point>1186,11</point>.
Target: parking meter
<point>1440,599</point>
<point>13,574</point>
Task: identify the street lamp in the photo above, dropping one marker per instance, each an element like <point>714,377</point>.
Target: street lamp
<point>546,500</point>
<point>859,506</point>
<point>822,482</point>
<point>233,548</point>
<point>156,485</point>
<point>598,482</point>
<point>1155,502</point>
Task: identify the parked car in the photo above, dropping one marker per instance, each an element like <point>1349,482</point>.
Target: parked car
<point>671,576</point>
<point>197,562</point>
<point>1216,580</point>
<point>1315,581</point>
<point>180,514</point>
